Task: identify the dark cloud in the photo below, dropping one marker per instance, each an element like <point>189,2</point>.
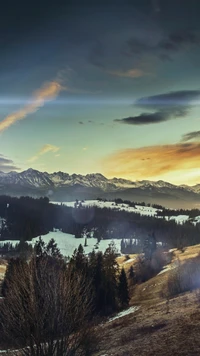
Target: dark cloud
<point>145,118</point>
<point>154,117</point>
<point>177,40</point>
<point>96,55</point>
<point>166,47</point>
<point>7,165</point>
<point>191,136</point>
<point>81,123</point>
<point>176,99</point>
<point>166,107</point>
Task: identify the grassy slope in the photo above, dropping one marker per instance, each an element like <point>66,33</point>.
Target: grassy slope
<point>156,329</point>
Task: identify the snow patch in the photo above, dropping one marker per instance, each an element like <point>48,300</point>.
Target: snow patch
<point>124,313</point>
<point>167,268</point>
<point>130,260</point>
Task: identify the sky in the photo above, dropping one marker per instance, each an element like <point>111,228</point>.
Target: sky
<point>101,86</point>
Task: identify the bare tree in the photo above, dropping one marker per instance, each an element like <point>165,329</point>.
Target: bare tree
<point>47,310</point>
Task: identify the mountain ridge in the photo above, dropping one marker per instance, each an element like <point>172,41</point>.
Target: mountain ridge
<point>61,185</point>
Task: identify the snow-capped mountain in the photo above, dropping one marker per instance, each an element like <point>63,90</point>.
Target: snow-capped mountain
<point>63,186</point>
<point>37,179</point>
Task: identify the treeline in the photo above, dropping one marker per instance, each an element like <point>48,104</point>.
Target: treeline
<point>27,218</point>
<point>132,203</point>
<point>8,249</point>
<point>49,303</point>
<point>161,210</point>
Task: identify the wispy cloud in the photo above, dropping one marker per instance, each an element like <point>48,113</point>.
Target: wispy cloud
<point>153,161</point>
<point>193,135</point>
<point>131,73</point>
<point>48,148</point>
<point>7,165</point>
<point>173,99</point>
<point>45,149</point>
<point>48,92</point>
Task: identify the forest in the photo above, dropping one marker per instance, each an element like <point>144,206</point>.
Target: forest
<point>25,218</point>
<point>54,305</point>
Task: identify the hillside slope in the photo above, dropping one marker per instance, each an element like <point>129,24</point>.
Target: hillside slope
<point>156,328</point>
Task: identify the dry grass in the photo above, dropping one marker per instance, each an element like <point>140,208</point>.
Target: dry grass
<point>159,327</point>
<point>190,252</point>
<point>152,331</point>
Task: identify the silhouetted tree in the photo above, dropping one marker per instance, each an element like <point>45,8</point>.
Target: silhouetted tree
<point>123,292</point>
<point>131,273</point>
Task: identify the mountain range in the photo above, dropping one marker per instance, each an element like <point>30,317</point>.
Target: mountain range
<point>64,187</point>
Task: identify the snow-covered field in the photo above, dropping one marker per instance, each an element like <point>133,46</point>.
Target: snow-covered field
<point>67,243</point>
<point>139,209</point>
<point>180,219</point>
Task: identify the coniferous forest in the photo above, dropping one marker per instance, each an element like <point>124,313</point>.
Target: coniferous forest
<point>25,218</point>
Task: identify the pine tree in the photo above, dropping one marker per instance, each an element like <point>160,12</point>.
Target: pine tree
<point>123,292</point>
<point>99,285</point>
<point>52,249</point>
<point>111,269</point>
<point>79,262</point>
<point>85,244</point>
<point>39,247</point>
<point>131,273</point>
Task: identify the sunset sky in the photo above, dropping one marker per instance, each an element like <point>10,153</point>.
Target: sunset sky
<point>101,86</point>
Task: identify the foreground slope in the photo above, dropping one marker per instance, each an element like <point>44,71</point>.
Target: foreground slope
<point>157,327</point>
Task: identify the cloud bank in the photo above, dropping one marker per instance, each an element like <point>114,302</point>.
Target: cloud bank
<point>166,46</point>
<point>153,161</point>
<point>7,165</point>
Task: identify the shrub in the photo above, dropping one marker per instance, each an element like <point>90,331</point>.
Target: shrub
<point>47,310</point>
<point>127,257</point>
<point>146,269</point>
<point>185,277</point>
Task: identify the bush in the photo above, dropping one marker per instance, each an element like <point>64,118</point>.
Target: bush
<point>127,257</point>
<point>146,269</point>
<point>185,277</point>
<point>47,310</point>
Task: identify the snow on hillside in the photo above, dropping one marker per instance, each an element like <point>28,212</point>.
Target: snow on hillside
<point>142,210</point>
<point>138,209</point>
<point>124,313</point>
<point>196,220</point>
<point>13,242</point>
<point>67,243</point>
<point>180,219</point>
